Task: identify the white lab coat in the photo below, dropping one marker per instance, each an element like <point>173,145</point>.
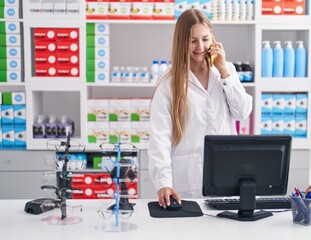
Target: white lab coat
<point>211,112</point>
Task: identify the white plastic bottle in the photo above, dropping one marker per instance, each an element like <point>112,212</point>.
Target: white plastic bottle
<point>300,60</point>
<point>136,74</point>
<point>122,73</point>
<point>221,12</point>
<point>144,75</point>
<point>236,10</point>
<point>128,75</point>
<point>115,75</point>
<point>228,14</point>
<point>162,67</point>
<point>214,9</point>
<point>289,59</point>
<point>250,10</point>
<point>154,71</point>
<point>267,60</point>
<point>243,4</point>
<point>278,60</point>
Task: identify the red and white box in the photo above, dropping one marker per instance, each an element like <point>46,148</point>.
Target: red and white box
<point>45,46</point>
<point>119,9</point>
<point>67,46</point>
<point>67,34</point>
<point>142,9</point>
<point>294,7</point>
<point>96,9</point>
<point>44,34</point>
<point>272,7</point>
<point>164,10</point>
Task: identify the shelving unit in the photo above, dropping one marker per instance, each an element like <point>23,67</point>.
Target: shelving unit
<point>138,42</point>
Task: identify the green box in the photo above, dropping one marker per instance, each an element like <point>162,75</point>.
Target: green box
<point>2,27</point>
<point>90,41</point>
<point>7,98</point>
<point>97,161</point>
<point>3,76</point>
<point>90,29</point>
<point>90,76</point>
<point>90,65</point>
<point>3,64</point>
<point>1,12</point>
<point>90,53</point>
<point>2,39</point>
<point>3,53</point>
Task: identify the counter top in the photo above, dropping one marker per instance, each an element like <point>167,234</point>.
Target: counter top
<point>15,223</point>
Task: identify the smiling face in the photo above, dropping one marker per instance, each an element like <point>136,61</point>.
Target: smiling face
<point>201,39</point>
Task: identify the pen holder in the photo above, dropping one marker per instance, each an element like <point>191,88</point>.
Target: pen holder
<point>301,210</point>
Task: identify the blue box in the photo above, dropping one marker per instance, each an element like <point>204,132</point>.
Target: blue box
<point>20,137</point>
<point>8,137</point>
<point>266,104</point>
<point>266,125</point>
<point>19,115</point>
<point>277,125</point>
<point>301,127</point>
<point>289,104</point>
<point>278,104</point>
<point>301,104</point>
<point>289,125</point>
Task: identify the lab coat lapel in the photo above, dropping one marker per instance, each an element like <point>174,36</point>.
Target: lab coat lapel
<point>213,76</point>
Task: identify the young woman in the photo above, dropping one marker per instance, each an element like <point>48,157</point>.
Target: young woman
<point>194,98</point>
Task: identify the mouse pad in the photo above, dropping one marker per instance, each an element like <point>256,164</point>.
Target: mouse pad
<point>189,209</point>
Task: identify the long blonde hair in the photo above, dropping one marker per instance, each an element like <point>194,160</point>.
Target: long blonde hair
<point>181,68</point>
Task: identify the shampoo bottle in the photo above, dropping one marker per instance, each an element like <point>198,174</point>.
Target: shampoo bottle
<point>267,60</point>
<point>278,59</point>
<point>300,60</point>
<point>289,59</point>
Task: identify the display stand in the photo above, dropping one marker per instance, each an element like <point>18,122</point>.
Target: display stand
<point>61,192</point>
<point>122,207</point>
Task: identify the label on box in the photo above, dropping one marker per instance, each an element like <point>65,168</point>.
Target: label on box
<point>266,104</point>
<point>97,10</point>
<point>266,125</point>
<point>19,115</point>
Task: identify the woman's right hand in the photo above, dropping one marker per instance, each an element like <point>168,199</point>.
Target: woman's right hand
<point>164,196</point>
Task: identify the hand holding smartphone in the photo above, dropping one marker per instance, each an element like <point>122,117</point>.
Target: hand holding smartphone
<point>212,57</point>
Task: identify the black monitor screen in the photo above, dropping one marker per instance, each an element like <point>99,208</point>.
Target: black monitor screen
<point>246,165</point>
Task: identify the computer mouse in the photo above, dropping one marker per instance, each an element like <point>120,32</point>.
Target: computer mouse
<point>174,205</point>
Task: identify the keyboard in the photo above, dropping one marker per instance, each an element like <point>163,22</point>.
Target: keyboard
<point>261,203</point>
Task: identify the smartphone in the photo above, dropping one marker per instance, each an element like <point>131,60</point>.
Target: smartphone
<point>212,57</point>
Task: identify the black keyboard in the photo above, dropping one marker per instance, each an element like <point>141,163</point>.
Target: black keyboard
<point>261,203</point>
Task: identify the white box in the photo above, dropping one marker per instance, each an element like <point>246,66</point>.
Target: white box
<point>35,6</point>
<point>13,40</point>
<point>60,6</point>
<point>102,41</point>
<point>140,132</point>
<point>13,52</point>
<point>102,77</point>
<point>11,12</point>
<point>102,29</point>
<point>98,110</point>
<point>14,64</point>
<point>140,109</point>
<point>14,76</point>
<point>72,6</point>
<point>120,110</point>
<point>47,6</point>
<point>12,27</point>
<point>98,132</point>
<point>120,132</point>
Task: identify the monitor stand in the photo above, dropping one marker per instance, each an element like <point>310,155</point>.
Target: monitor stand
<point>247,204</point>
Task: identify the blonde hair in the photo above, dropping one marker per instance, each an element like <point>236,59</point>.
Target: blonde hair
<point>181,68</point>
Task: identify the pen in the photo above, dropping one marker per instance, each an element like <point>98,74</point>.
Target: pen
<point>300,193</point>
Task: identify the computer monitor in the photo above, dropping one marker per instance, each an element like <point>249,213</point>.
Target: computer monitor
<point>246,166</point>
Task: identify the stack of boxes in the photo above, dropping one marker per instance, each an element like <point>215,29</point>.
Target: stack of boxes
<point>284,7</point>
<point>284,114</point>
<point>118,120</point>
<point>130,9</point>
<point>56,52</point>
<point>9,9</point>
<point>13,120</point>
<point>54,7</point>
<point>97,53</point>
<point>10,52</point>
